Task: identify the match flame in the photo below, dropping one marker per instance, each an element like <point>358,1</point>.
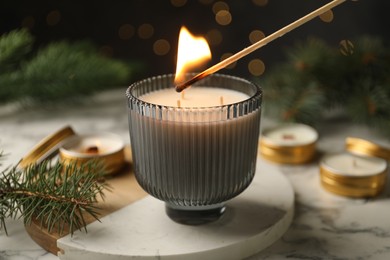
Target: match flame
<point>192,51</point>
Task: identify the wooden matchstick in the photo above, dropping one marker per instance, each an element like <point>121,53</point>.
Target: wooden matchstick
<point>226,62</point>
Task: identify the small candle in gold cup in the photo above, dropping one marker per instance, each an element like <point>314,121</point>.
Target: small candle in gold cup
<point>359,172</point>
<point>352,175</point>
<point>104,147</point>
<point>289,143</point>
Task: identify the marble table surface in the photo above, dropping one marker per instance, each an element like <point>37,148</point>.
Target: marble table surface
<point>325,226</point>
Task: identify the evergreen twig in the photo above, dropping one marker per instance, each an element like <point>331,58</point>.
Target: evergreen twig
<point>57,196</point>
<point>316,77</point>
<point>57,72</point>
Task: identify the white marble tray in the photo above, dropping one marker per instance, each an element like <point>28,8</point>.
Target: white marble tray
<point>253,221</point>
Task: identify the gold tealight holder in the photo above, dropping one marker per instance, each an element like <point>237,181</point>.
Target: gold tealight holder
<point>358,173</point>
<point>105,148</point>
<point>289,143</point>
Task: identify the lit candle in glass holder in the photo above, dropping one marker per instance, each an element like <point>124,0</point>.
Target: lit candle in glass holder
<point>191,151</point>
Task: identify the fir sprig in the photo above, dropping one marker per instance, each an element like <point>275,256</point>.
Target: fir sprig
<point>14,46</point>
<point>317,77</point>
<point>59,197</point>
<point>57,72</point>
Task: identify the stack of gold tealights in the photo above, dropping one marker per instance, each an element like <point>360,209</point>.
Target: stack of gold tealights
<point>359,172</point>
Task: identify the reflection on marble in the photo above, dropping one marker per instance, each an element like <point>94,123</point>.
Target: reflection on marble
<point>325,226</point>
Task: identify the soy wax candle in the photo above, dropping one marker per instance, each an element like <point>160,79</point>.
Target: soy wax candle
<point>289,143</point>
<point>360,171</point>
<point>197,153</point>
<point>106,148</point>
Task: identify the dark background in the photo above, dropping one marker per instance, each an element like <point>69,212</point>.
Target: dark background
<point>101,23</point>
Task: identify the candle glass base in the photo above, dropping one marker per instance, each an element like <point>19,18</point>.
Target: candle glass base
<point>195,215</point>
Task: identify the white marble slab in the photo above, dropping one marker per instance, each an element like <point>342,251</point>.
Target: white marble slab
<point>325,226</point>
<point>254,220</point>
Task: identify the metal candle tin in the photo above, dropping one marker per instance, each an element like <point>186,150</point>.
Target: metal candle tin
<point>107,148</point>
<point>359,172</point>
<point>289,143</point>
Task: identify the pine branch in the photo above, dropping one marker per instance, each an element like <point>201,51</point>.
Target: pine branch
<point>59,72</point>
<point>63,70</point>
<point>57,196</point>
<point>14,47</point>
<point>317,77</point>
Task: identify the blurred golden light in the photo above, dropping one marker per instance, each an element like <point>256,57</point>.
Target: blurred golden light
<point>223,17</point>
<point>255,36</point>
<point>214,37</point>
<point>161,47</point>
<point>256,67</point>
<point>206,2</point>
<point>346,47</point>
<point>126,31</point>
<point>260,2</point>
<point>28,22</point>
<point>53,18</point>
<point>227,55</point>
<point>327,16</point>
<point>145,31</point>
<point>219,6</point>
<point>178,3</point>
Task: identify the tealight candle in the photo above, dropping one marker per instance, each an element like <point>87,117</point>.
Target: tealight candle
<point>352,175</point>
<point>104,147</point>
<point>289,143</point>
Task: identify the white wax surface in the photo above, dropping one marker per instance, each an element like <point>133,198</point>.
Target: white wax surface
<point>352,165</point>
<point>106,143</point>
<point>194,97</point>
<point>290,135</point>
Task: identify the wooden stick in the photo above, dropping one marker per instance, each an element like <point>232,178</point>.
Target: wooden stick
<point>226,62</point>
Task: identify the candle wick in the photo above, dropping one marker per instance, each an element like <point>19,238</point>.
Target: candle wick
<point>354,163</point>
<point>178,103</point>
<point>221,100</point>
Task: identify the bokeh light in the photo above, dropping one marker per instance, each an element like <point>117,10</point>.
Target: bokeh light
<point>256,67</point>
<point>346,47</point>
<point>255,36</point>
<point>227,55</point>
<point>145,31</point>
<point>214,37</point>
<point>260,2</point>
<point>161,47</point>
<point>178,3</point>
<point>327,16</point>
<point>126,31</point>
<point>223,17</point>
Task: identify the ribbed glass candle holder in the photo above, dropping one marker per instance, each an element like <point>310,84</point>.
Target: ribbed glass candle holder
<point>194,158</point>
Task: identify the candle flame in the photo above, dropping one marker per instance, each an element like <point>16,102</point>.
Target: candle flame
<point>192,52</point>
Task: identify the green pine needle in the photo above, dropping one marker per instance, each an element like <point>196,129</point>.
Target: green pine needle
<point>317,77</point>
<point>58,196</point>
<point>58,72</point>
<point>14,47</point>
